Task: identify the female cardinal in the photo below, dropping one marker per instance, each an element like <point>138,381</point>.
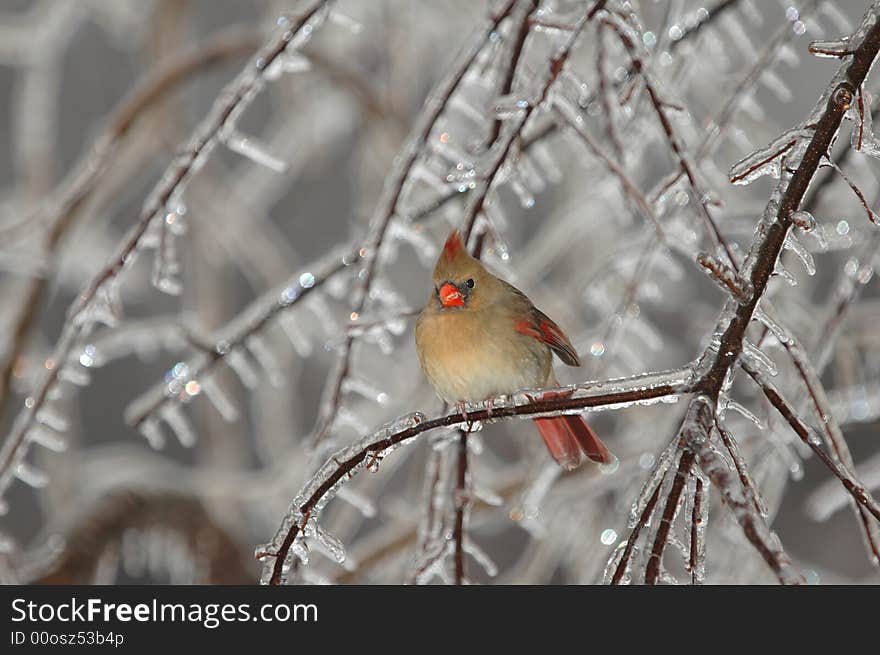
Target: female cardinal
<point>480,337</point>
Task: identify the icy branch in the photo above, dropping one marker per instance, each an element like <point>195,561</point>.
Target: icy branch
<point>611,394</point>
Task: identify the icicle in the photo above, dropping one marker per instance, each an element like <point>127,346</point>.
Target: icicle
<point>243,368</point>
<point>415,236</point>
<point>287,62</point>
<point>31,476</point>
<point>862,137</point>
<point>529,506</point>
<point>151,431</point>
<point>266,360</point>
<point>254,150</point>
<point>776,85</point>
<point>104,307</point>
<point>481,557</point>
<point>295,335</point>
<point>300,549</point>
<point>793,245</point>
<point>545,158</point>
<point>331,543</point>
<point>775,329</point>
<point>219,399</point>
<point>51,419</point>
<point>165,265</point>
<point>841,22</point>
<point>757,359</point>
<point>785,274</point>
<point>523,193</point>
<point>360,502</point>
<point>174,416</point>
<point>362,387</point>
<point>486,495</point>
<point>75,375</point>
<point>345,21</point>
<point>48,439</point>
<point>743,411</point>
<point>768,160</point>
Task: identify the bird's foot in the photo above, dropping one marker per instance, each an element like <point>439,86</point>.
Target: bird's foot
<point>490,406</point>
<point>462,409</point>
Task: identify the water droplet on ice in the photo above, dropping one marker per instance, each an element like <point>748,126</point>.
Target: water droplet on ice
<point>608,536</point>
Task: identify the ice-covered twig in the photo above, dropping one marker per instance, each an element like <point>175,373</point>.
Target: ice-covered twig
<point>461,506</point>
<point>673,140</point>
<point>742,471</point>
<point>575,123</point>
<point>670,510</point>
<point>609,394</point>
<point>855,488</point>
<point>699,513</point>
<point>832,434</point>
<point>772,231</point>
<point>769,56</point>
<point>872,215</point>
<point>643,521</point>
<point>526,108</point>
<point>696,435</point>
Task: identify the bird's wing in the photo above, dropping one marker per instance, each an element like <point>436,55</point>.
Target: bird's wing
<point>541,327</point>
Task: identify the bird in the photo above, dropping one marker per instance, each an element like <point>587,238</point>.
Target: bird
<point>479,337</point>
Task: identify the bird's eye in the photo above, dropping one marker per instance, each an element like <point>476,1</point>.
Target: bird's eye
<point>470,283</point>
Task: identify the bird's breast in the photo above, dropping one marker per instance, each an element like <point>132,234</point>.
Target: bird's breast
<point>469,357</point>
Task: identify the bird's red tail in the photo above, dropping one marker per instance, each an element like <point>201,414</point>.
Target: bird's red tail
<point>568,436</point>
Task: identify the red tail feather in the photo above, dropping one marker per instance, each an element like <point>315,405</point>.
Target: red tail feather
<point>567,436</point>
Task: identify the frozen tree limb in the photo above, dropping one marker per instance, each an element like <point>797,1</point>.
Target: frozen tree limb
<point>342,466</point>
<point>695,433</point>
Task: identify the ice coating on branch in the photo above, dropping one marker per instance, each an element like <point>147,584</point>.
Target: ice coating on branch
<point>661,466</point>
<point>357,500</point>
<point>327,481</point>
<point>862,137</point>
<point>836,48</point>
<point>726,278</point>
<point>769,160</point>
<point>48,438</point>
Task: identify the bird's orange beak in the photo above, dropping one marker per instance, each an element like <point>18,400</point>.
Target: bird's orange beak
<point>450,296</point>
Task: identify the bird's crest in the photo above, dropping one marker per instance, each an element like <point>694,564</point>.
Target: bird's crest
<point>454,246</point>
